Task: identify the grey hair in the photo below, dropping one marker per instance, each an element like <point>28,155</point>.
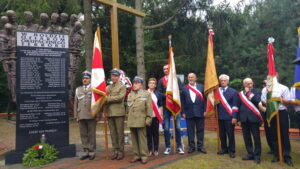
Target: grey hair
<point>225,76</point>
<point>246,79</point>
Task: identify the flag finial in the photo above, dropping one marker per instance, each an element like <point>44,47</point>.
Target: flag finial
<point>170,40</point>
<point>271,40</point>
<point>210,24</point>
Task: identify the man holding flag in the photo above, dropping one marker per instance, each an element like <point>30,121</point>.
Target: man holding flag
<point>169,87</point>
<point>276,97</point>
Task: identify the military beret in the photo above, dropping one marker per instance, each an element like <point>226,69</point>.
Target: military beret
<point>86,74</point>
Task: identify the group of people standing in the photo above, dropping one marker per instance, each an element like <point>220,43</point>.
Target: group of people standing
<point>146,110</point>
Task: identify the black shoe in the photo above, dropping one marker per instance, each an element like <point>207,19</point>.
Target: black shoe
<point>92,157</point>
<point>289,162</point>
<point>231,155</point>
<point>191,150</point>
<point>84,157</point>
<point>248,158</point>
<point>257,160</point>
<point>202,150</point>
<point>270,152</point>
<point>275,159</point>
<point>222,152</point>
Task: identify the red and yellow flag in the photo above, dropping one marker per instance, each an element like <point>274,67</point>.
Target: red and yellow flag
<point>211,82</point>
<point>98,83</point>
<point>172,92</point>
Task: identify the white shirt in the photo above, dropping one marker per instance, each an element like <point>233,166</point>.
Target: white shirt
<point>193,94</point>
<point>285,94</point>
<point>293,97</point>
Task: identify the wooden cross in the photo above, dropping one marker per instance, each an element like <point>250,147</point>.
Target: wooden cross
<point>114,25</point>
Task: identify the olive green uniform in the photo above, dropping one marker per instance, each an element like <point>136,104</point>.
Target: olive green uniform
<point>116,115</point>
<point>87,122</point>
<point>139,116</point>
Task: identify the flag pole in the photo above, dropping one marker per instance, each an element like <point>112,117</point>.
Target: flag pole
<point>218,129</point>
<point>279,139</point>
<point>173,119</point>
<point>105,131</point>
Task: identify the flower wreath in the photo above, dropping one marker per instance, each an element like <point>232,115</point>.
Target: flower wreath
<point>39,154</point>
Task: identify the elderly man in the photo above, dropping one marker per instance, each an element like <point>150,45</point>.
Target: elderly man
<point>139,116</point>
<point>82,114</point>
<point>194,105</point>
<point>251,119</point>
<point>116,114</point>
<point>227,114</point>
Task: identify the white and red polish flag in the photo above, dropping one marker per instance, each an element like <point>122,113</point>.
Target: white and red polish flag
<point>98,83</point>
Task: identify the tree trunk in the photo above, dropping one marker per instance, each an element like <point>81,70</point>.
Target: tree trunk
<point>88,37</point>
<point>140,58</point>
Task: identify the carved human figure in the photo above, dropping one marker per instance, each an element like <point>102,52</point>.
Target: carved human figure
<point>44,27</point>
<point>9,59</point>
<point>73,19</point>
<point>29,25</point>
<point>76,38</point>
<point>55,27</point>
<point>4,20</point>
<point>64,18</point>
<point>12,18</point>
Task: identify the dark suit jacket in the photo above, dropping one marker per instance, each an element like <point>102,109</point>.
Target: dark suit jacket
<point>191,109</point>
<point>245,114</point>
<point>231,96</point>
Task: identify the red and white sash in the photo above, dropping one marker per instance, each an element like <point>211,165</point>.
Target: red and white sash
<point>250,105</point>
<point>196,91</point>
<point>155,107</point>
<point>226,104</point>
<point>164,80</point>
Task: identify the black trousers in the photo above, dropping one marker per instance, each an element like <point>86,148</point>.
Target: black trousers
<point>248,130</point>
<point>268,134</point>
<point>227,130</point>
<point>153,135</point>
<point>198,124</point>
<point>298,119</point>
<point>284,132</point>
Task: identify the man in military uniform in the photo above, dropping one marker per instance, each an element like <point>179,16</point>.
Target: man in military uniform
<point>139,116</point>
<point>82,114</point>
<point>116,114</point>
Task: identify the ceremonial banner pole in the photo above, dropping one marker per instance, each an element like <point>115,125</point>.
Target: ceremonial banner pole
<point>273,95</point>
<point>211,82</point>
<point>218,129</point>
<point>173,119</point>
<point>173,103</point>
<point>279,139</point>
<point>105,132</point>
<point>98,84</point>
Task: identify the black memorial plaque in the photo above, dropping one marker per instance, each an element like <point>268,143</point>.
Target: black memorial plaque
<point>42,89</point>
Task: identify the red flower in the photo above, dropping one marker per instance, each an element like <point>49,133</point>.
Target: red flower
<point>36,147</point>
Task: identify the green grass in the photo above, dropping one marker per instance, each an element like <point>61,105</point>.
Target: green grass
<point>213,161</point>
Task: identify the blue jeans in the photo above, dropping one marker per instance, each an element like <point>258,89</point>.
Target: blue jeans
<point>167,117</point>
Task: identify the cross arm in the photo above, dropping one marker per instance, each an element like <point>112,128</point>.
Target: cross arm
<point>121,7</point>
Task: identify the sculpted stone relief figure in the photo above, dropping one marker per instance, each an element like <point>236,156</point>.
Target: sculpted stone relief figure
<point>44,18</point>
<point>55,27</point>
<point>29,25</point>
<point>76,38</point>
<point>59,24</point>
<point>64,18</point>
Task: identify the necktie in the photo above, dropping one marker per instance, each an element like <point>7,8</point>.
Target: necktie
<point>223,90</point>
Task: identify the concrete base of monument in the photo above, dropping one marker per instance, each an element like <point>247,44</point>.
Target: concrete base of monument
<point>14,157</point>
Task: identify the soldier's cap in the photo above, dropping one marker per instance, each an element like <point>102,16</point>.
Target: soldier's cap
<point>138,79</point>
<point>86,74</point>
<point>115,72</point>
